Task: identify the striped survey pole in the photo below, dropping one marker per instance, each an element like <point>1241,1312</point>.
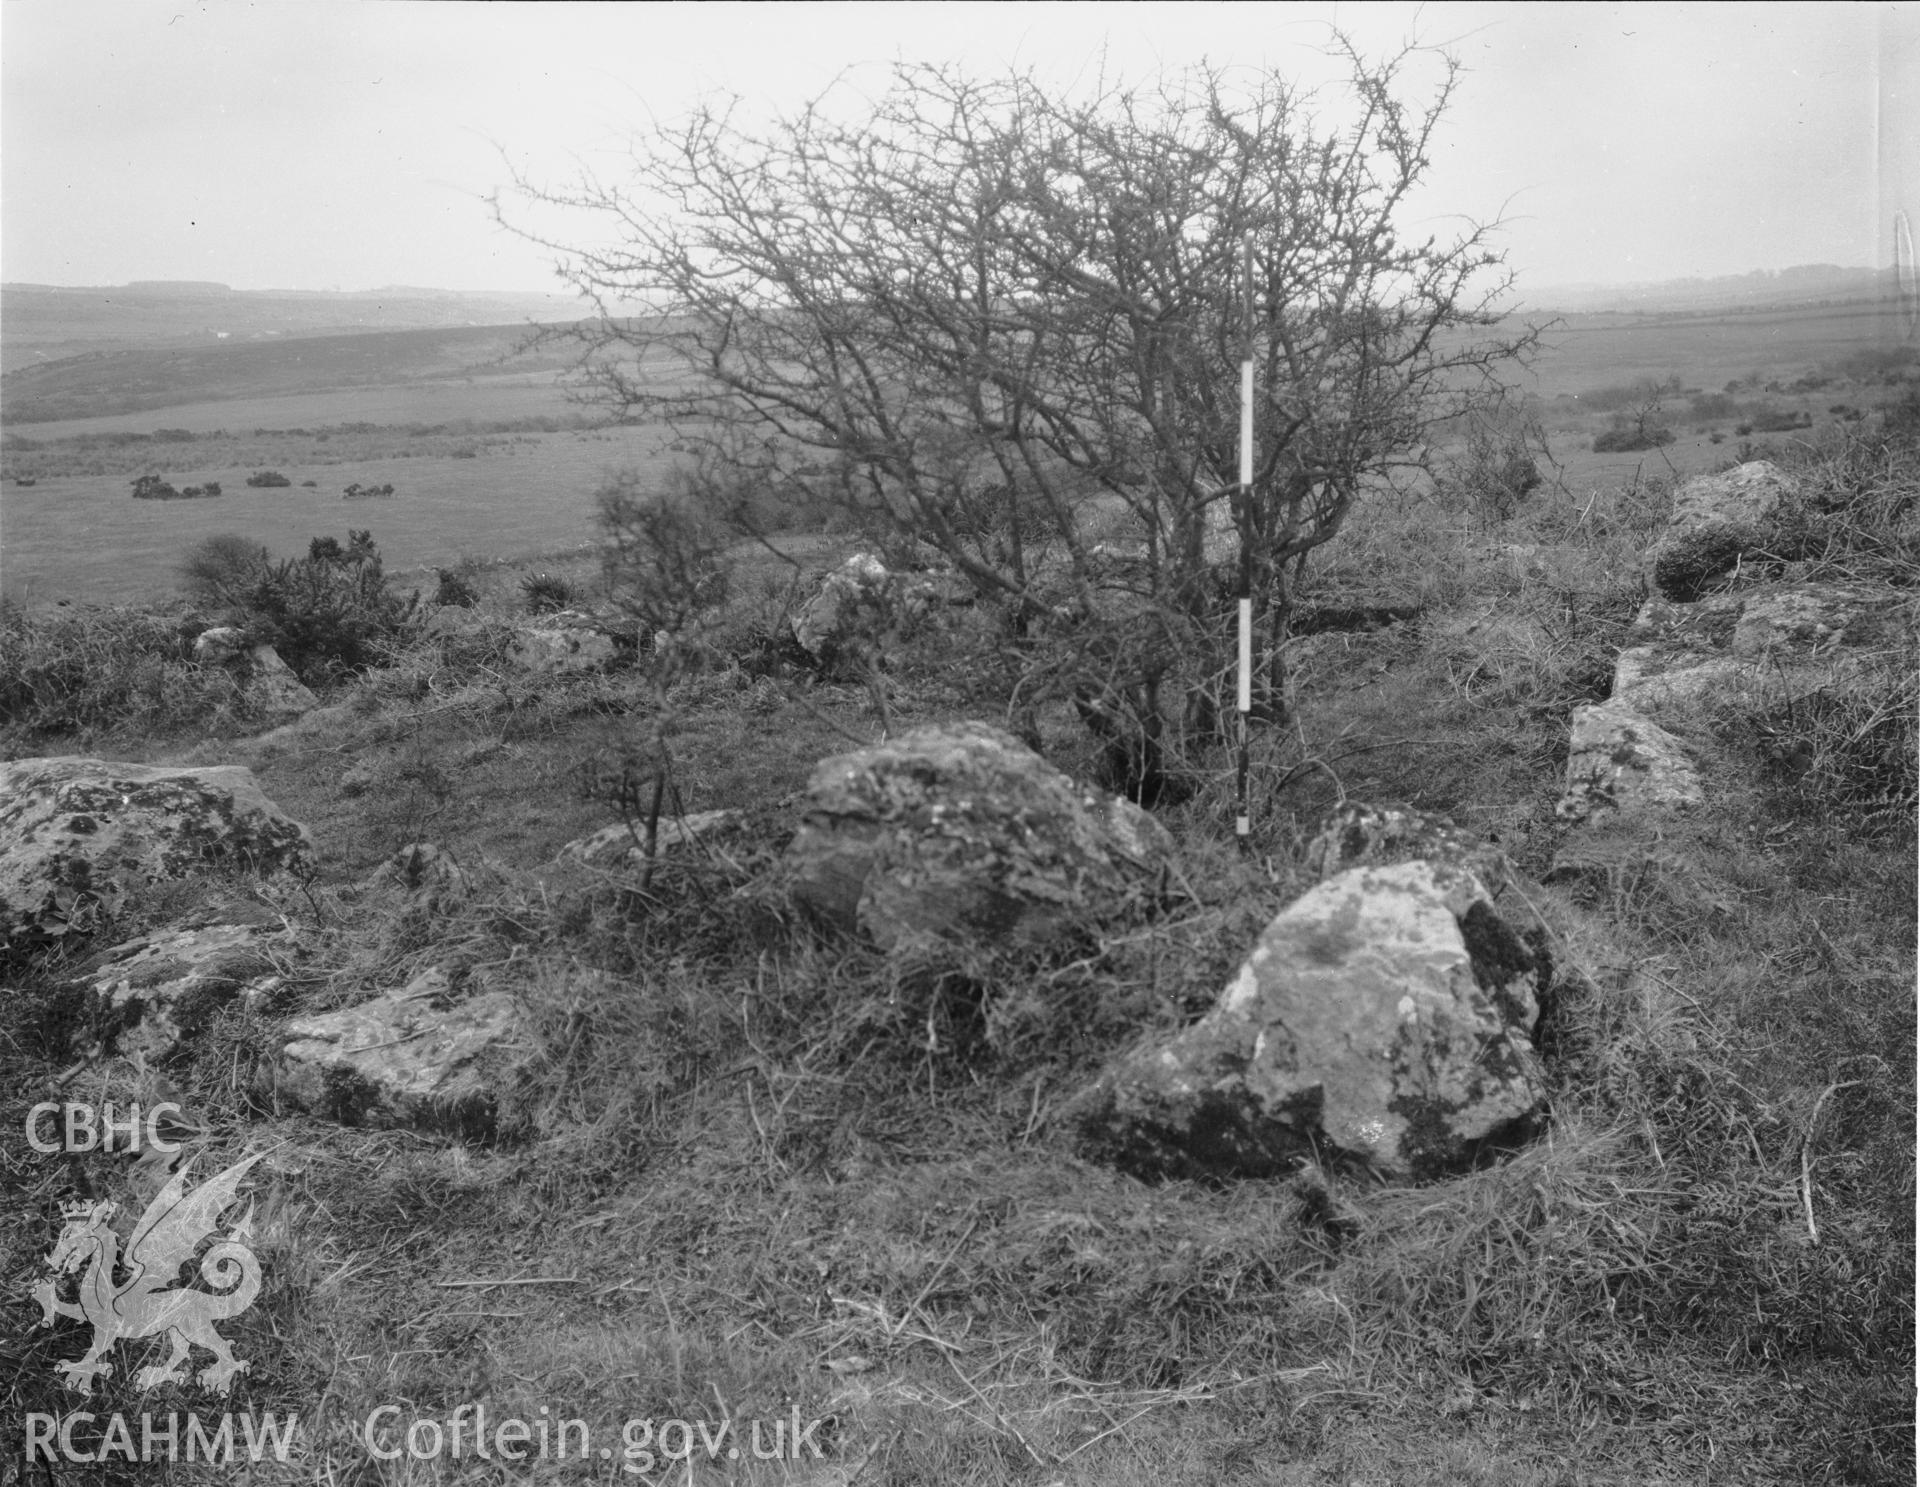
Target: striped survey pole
<point>1243,821</point>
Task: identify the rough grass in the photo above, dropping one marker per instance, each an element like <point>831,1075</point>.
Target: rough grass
<point>82,674</point>
<point>745,1171</point>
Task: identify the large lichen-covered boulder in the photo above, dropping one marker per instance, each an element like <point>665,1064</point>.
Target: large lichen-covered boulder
<point>419,1056</point>
<point>81,838</point>
<point>1384,1018</point>
<point>960,832</point>
<point>1717,520</point>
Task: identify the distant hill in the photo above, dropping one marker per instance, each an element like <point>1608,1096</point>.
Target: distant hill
<point>142,378</point>
<point>1763,287</point>
<point>42,323</point>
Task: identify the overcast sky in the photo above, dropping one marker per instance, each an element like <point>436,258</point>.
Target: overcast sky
<point>351,144</point>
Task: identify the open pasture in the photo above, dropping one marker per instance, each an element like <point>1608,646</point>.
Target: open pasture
<point>489,398</point>
<point>452,430</point>
<point>84,538</point>
<point>1581,353</point>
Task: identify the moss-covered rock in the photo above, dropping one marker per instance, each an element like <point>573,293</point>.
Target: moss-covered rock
<point>81,839</point>
<point>1718,520</point>
<point>960,832</point>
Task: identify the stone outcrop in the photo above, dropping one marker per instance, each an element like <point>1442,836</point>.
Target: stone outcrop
<point>564,642</point>
<point>418,1056</point>
<point>619,844</point>
<point>454,622</point>
<point>1717,520</point>
<point>80,838</point>
<point>1618,760</point>
<point>221,644</point>
<point>1358,835</point>
<point>861,601</point>
<point>1772,634</point>
<point>165,987</point>
<point>269,684</point>
<point>1384,1018</point>
<point>960,832</point>
<point>854,604</point>
<point>1755,643</point>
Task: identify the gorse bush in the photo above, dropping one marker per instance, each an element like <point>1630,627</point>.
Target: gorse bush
<point>154,488</point>
<point>546,593</point>
<point>1625,395</point>
<point>1498,469</point>
<point>329,612</point>
<point>1628,438</point>
<point>455,589</point>
<point>1775,421</point>
<point>666,555</point>
<point>267,480</point>
<point>223,569</point>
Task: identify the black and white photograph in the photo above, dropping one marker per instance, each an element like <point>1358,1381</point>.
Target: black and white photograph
<point>959,744</point>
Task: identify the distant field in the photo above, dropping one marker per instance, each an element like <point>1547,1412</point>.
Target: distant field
<point>1583,352</point>
<point>84,538</point>
<point>480,399</point>
<point>46,324</point>
<point>450,411</point>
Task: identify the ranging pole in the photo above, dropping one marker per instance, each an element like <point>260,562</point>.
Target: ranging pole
<point>1243,821</point>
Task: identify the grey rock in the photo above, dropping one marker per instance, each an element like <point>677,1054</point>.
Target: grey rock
<point>616,845</point>
<point>221,644</point>
<point>274,689</point>
<point>959,832</point>
<point>1355,834</point>
<point>454,622</point>
<point>413,1057</point>
<point>561,643</point>
<point>1793,635</point>
<point>424,874</point>
<point>1620,760</point>
<point>1358,835</point>
<point>853,608</point>
<point>1385,1018</point>
<point>82,838</point>
<point>161,989</point>
<point>1717,520</point>
<point>267,681</point>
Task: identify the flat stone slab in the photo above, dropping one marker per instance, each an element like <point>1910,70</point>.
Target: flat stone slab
<point>1801,635</point>
<point>410,1057</point>
<point>1618,760</point>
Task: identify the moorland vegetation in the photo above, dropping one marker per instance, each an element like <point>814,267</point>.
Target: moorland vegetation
<point>731,1121</point>
<point>767,1167</point>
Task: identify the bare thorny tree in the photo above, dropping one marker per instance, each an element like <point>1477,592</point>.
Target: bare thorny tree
<point>982,298</point>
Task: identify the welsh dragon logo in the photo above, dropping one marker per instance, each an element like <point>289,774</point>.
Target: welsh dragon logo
<point>148,1302</point>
